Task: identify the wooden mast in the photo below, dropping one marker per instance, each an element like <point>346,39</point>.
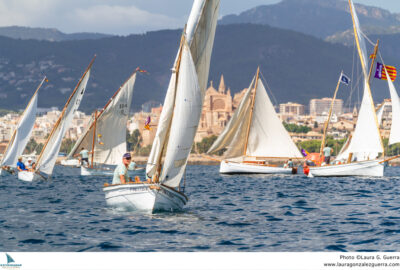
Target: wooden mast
<point>251,111</point>
<point>94,136</point>
<point>177,68</point>
<point>15,130</point>
<point>373,60</point>
<point>364,67</point>
<point>63,111</point>
<point>329,116</point>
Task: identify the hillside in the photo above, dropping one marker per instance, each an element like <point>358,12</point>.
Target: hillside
<point>320,18</point>
<point>297,67</point>
<point>49,34</point>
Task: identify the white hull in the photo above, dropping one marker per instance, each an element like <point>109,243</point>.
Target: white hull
<point>237,168</point>
<point>70,163</point>
<point>144,197</point>
<point>362,168</point>
<point>95,171</point>
<point>28,176</point>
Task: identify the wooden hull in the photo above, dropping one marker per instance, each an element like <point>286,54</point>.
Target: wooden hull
<point>28,176</point>
<point>362,168</point>
<point>227,167</point>
<point>95,171</point>
<point>144,197</point>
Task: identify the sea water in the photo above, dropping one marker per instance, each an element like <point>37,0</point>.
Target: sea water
<point>224,213</point>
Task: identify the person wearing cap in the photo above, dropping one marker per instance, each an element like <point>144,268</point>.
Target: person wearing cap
<point>20,165</point>
<point>29,165</point>
<point>121,172</point>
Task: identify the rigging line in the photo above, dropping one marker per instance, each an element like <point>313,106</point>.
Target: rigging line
<point>365,36</point>
<point>270,91</point>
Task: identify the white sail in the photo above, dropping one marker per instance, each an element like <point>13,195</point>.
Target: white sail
<point>23,132</point>
<point>83,141</point>
<point>235,132</point>
<point>47,158</point>
<point>366,141</point>
<point>188,105</point>
<point>200,33</point>
<point>395,128</point>
<point>379,112</point>
<point>268,137</point>
<point>110,133</point>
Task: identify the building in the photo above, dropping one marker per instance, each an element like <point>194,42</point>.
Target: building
<point>319,106</point>
<point>291,109</point>
<point>217,110</point>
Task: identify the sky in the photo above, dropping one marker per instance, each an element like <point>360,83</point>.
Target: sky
<point>122,17</point>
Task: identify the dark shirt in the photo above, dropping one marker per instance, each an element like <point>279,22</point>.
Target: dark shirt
<point>21,166</point>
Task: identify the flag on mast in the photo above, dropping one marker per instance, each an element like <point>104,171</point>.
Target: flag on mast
<point>344,79</point>
<point>381,74</point>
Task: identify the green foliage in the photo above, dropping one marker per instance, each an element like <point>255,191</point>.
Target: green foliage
<point>392,150</point>
<point>296,128</point>
<point>133,140</point>
<point>313,146</point>
<point>66,145</point>
<point>33,146</point>
<point>205,144</point>
<point>144,151</point>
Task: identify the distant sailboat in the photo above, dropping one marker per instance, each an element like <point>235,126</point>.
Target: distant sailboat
<point>178,121</point>
<point>106,133</point>
<point>47,158</point>
<point>254,134</point>
<point>21,134</point>
<point>359,156</point>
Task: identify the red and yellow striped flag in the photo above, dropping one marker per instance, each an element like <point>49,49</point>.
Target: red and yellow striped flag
<point>381,74</point>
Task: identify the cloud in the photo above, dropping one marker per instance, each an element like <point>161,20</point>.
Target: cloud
<point>120,19</point>
<point>85,16</point>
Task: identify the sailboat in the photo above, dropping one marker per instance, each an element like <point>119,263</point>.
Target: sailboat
<point>47,158</point>
<point>359,156</point>
<point>254,134</point>
<point>106,133</point>
<point>21,134</point>
<point>178,121</point>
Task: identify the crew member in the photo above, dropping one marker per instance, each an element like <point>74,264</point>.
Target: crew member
<point>121,172</point>
<point>20,165</point>
<point>327,153</point>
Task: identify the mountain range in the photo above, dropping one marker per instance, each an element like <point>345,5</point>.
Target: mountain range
<point>296,66</point>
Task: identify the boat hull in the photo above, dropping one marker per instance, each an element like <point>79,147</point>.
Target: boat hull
<point>95,171</point>
<point>71,163</point>
<point>5,172</point>
<point>144,197</point>
<point>28,176</point>
<point>227,167</point>
<point>362,168</point>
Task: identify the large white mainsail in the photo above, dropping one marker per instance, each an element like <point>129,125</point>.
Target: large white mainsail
<point>187,111</point>
<point>110,128</point>
<point>48,156</point>
<point>267,137</point>
<point>22,132</point>
<point>200,33</point>
<point>366,142</point>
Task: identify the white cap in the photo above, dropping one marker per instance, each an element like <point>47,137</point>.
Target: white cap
<point>29,159</point>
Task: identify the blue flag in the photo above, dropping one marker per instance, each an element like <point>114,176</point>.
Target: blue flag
<point>344,79</point>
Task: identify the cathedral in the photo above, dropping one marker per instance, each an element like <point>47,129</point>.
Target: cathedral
<point>218,108</point>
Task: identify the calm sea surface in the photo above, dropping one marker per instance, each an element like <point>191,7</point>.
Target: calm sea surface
<point>224,213</point>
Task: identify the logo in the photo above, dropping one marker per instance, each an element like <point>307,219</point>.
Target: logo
<point>10,263</point>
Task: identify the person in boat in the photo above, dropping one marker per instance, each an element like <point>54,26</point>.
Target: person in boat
<point>8,169</point>
<point>84,156</point>
<point>327,153</point>
<point>20,165</point>
<point>29,165</point>
<point>121,171</point>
